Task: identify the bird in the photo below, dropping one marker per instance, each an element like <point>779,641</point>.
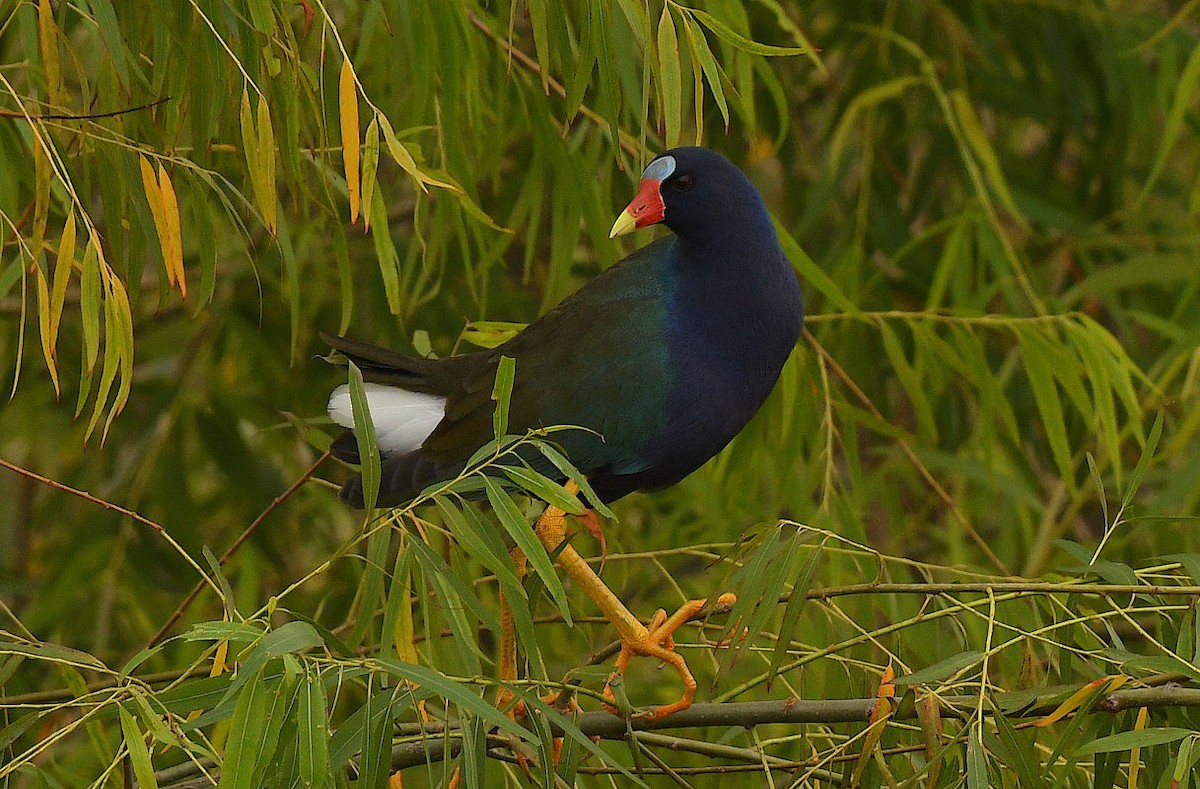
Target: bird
<point>662,359</point>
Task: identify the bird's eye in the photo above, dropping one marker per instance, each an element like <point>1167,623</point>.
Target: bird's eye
<point>683,183</point>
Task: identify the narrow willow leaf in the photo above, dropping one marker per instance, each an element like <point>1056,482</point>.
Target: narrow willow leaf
<point>139,754</point>
<point>114,40</point>
<point>465,698</point>
<point>1083,698</point>
<point>268,199</point>
<point>863,100</point>
<point>545,489</point>
<point>1127,740</point>
<point>489,334</point>
<point>370,593</point>
<point>982,148</point>
<point>63,264</point>
<point>44,311</point>
<point>1018,753</point>
<point>1045,394</point>
<point>312,726</point>
<point>42,177</point>
<point>174,233</point>
<point>48,44</point>
<point>483,545</point>
<point>385,253</point>
<point>759,583</point>
<point>450,587</point>
<point>539,20</point>
<point>1139,471</point>
<point>1135,753</point>
<point>374,766</point>
<point>977,770</point>
<point>402,157</point>
<point>585,61</point>
<point>51,653</point>
<point>736,39</point>
<point>250,142</point>
<point>261,16</point>
<point>670,80</point>
<point>348,112</point>
<point>517,528</point>
<point>702,54</point>
<point>243,745</point>
<point>506,372</point>
<point>370,169</point>
<point>123,316</point>
<point>364,432</point>
<point>288,638</point>
<point>791,612</point>
<point>814,275</point>
<point>1181,102</point>
<point>564,465</point>
<point>112,363</point>
<point>941,670</point>
<point>165,213</point>
<point>914,384</point>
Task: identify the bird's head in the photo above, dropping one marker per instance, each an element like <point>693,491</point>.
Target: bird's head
<point>690,188</point>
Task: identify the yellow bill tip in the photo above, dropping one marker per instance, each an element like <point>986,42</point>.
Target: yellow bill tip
<point>625,224</point>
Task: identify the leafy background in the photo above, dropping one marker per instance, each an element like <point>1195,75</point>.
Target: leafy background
<point>979,467</point>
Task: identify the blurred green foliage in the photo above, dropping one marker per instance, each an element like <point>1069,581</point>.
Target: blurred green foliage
<point>997,205</point>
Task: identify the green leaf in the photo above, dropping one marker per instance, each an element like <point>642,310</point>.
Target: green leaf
<point>364,431</point>
<point>375,764</point>
<point>736,39</point>
<point>312,726</point>
<point>670,81</point>
<point>139,754</point>
<point>506,373</point>
<point>1045,393</point>
<point>521,532</point>
<point>941,670</point>
<point>977,771</point>
<point>465,698</point>
<point>545,489</point>
<point>1142,738</point>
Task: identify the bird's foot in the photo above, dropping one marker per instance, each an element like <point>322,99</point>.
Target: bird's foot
<point>658,640</point>
<point>591,522</point>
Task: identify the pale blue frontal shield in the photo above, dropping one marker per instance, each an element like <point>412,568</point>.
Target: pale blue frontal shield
<point>660,169</point>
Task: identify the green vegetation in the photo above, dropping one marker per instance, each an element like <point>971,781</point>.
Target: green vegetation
<point>978,468</point>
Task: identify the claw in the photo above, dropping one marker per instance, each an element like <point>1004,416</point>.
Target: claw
<point>658,640</point>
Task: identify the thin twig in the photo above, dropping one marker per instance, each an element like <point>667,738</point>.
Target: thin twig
<point>83,494</point>
<point>187,601</point>
<point>88,116</point>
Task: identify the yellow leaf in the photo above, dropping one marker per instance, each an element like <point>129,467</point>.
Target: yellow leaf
<point>884,707</point>
<point>406,160</point>
<point>1135,753</point>
<point>269,202</point>
<point>62,276</point>
<point>1079,698</point>
<point>43,291</point>
<point>258,143</point>
<point>348,106</point>
<point>172,244</point>
<point>48,43</point>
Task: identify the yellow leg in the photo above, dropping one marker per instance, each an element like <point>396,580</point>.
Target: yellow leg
<point>636,639</point>
<point>508,634</point>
